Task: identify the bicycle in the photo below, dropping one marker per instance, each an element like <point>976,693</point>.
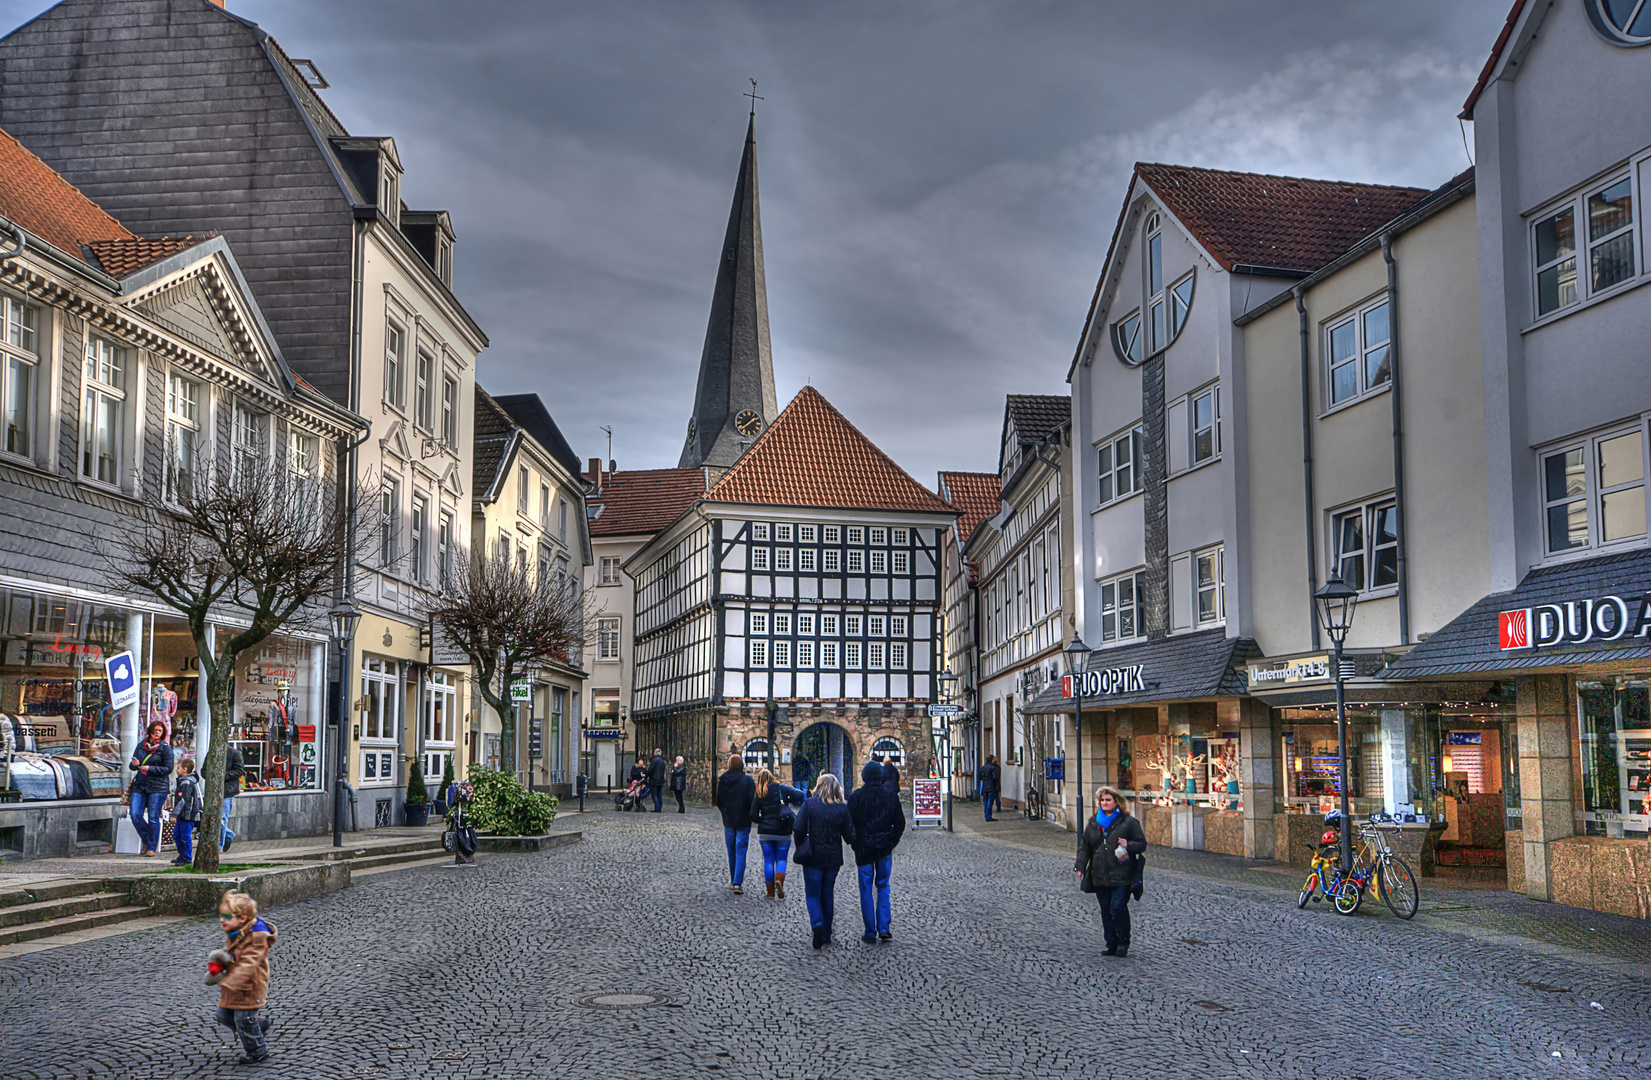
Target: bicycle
<point>1325,877</point>
<point>1033,804</point>
<point>1394,881</point>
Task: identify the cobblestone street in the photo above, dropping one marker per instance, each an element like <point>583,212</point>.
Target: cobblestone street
<point>995,971</point>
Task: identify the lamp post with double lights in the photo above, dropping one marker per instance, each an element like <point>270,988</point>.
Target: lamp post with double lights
<point>945,680</point>
<point>1336,602</point>
<point>342,618</point>
<point>1077,661</point>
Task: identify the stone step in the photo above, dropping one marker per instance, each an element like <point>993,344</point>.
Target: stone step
<point>422,862</point>
<point>377,859</point>
<point>49,890</point>
<point>363,851</point>
<point>47,910</point>
<point>34,931</point>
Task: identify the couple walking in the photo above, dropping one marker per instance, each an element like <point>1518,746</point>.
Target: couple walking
<point>871,821</point>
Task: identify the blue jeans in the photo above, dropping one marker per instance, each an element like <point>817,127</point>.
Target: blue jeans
<point>991,800</point>
<point>184,833</point>
<point>738,840</point>
<point>820,889</point>
<point>146,817</point>
<point>1114,902</point>
<point>248,1025</point>
<point>874,895</point>
<point>228,833</point>
<point>774,851</point>
<point>659,797</point>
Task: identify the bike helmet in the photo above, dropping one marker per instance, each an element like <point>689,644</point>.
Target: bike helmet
<point>1332,820</point>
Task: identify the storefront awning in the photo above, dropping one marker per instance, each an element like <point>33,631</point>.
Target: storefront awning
<point>1586,612</point>
<point>1207,664</point>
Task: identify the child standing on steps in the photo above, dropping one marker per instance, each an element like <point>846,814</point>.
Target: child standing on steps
<point>242,989</point>
<point>186,811</point>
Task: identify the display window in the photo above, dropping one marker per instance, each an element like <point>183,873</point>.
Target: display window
<point>1613,762</point>
<point>1312,765</point>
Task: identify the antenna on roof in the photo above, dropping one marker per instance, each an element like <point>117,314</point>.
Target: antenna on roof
<point>755,97</point>
<point>608,430</point>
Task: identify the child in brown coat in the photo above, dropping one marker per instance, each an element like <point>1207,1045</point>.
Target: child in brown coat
<point>241,972</point>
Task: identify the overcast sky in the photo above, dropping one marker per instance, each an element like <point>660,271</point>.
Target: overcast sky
<point>939,179</point>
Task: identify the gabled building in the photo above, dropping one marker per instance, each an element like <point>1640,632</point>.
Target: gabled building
<point>977,496</point>
<point>131,369</point>
<point>199,122</point>
<point>794,610</point>
<point>529,507</point>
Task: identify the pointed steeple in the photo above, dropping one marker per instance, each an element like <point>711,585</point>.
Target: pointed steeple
<point>734,401</point>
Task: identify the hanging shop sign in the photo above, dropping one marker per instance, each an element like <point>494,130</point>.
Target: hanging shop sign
<point>521,690</point>
<point>1574,622</point>
<point>1305,669</point>
<point>926,803</point>
<point>1118,680</point>
<point>604,733</point>
<point>535,738</point>
<point>123,680</point>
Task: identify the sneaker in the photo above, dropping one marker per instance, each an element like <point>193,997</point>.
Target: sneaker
<point>180,861</point>
<point>739,890</point>
<point>225,851</point>
<point>818,940</point>
<point>249,1059</point>
<point>869,939</point>
<point>885,936</point>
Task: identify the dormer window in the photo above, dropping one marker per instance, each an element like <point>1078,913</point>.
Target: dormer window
<point>444,261</point>
<point>389,198</point>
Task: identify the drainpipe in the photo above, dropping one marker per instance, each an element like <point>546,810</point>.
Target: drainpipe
<point>1398,433</point>
<point>1307,467</point>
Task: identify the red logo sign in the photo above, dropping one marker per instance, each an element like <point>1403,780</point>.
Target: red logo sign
<point>1514,628</point>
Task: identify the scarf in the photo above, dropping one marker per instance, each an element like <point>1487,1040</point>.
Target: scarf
<point>1105,820</point>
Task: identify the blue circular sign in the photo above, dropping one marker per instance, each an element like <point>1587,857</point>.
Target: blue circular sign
<point>1621,22</point>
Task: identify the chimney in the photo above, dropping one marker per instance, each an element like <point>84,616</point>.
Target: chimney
<point>220,3</point>
<point>594,472</point>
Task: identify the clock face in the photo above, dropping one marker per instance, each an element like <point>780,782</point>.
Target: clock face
<point>692,427</point>
<point>748,423</point>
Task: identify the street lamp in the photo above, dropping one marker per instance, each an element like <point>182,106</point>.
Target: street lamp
<point>1336,602</point>
<point>1077,659</point>
<point>342,618</point>
<point>946,679</point>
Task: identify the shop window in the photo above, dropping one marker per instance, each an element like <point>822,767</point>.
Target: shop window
<point>20,348</point>
<point>1593,493</point>
<point>1614,756</point>
<point>1359,354</point>
<point>1610,258</point>
<point>1120,472</point>
<point>103,427</point>
<point>1367,546</point>
<point>1119,599</point>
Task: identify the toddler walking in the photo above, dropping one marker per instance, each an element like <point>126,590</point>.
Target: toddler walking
<point>241,972</point>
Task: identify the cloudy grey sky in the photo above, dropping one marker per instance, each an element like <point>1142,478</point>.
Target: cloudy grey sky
<point>939,178</point>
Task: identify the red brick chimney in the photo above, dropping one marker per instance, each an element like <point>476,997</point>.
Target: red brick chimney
<point>594,473</point>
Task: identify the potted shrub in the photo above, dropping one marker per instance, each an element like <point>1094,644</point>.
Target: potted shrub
<point>417,807</point>
<point>440,807</point>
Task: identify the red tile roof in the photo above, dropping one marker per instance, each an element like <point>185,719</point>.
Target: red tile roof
<point>812,456</point>
<point>1280,222</point>
<point>643,500</point>
<point>978,495</point>
<point>34,196</point>
<point>1491,61</point>
<point>121,258</point>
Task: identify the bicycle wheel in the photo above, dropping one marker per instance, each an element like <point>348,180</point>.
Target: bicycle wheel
<point>1399,887</point>
<point>1349,896</point>
<point>1308,889</point>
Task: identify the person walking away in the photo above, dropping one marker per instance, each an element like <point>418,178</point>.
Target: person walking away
<point>244,987</point>
<point>733,792</point>
<point>775,820</point>
<point>151,783</point>
<point>991,777</point>
<point>822,828</point>
<point>802,773</point>
<point>234,769</point>
<point>679,782</point>
<point>186,812</point>
<point>879,822</point>
<point>891,775</point>
<point>656,779</point>
<point>1107,854</point>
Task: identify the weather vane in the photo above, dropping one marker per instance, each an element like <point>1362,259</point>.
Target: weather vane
<point>754,96</point>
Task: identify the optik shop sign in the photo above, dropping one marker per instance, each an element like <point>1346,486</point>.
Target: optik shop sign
<point>1118,680</point>
<point>1574,622</point>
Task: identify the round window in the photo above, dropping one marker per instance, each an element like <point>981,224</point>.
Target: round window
<point>889,750</point>
<point>756,755</point>
<point>1621,22</point>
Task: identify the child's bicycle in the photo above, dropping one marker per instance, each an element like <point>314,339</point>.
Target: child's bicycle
<point>1374,863</point>
<point>1325,882</point>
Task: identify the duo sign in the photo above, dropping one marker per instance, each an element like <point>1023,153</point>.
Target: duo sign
<point>1118,680</point>
<point>1574,622</point>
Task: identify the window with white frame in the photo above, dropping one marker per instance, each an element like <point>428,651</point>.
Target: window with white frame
<point>381,689</point>
<point>806,559</point>
<point>103,429</point>
<point>851,625</point>
<point>1156,303</point>
<point>782,558</point>
<point>782,653</point>
<point>875,625</point>
<point>544,507</point>
<point>879,562</point>
<point>562,521</point>
<point>851,654</point>
<point>544,564</point>
<point>759,622</point>
<point>20,348</point>
<point>1366,545</point>
<point>444,546</point>
<point>782,533</point>
<point>395,364</point>
<point>439,724</point>
<point>1609,251</point>
<point>424,391</point>
<point>856,561</point>
<point>1204,419</point>
<point>856,534</point>
<point>902,561</point>
<point>183,436</point>
<point>831,534</point>
<point>899,537</point>
<point>897,625</point>
<point>502,552</point>
<point>831,560</point>
<point>450,411</point>
<point>805,654</point>
<point>878,536</point>
<point>759,530</point>
<point>1120,465</point>
<point>389,523</point>
<point>782,622</point>
<point>607,638</point>
<point>897,655</point>
<point>1359,353</point>
<point>1126,335</point>
<point>1120,608</point>
<point>1209,586</point>
<point>609,570</point>
<point>828,625</point>
<point>418,528</point>
<point>806,534</point>
<point>874,654</point>
<point>523,506</point>
<point>759,558</point>
<point>759,652</point>
<point>1180,305</point>
<point>828,654</point>
<point>250,439</point>
<point>805,623</point>
<point>304,465</point>
<point>1593,492</point>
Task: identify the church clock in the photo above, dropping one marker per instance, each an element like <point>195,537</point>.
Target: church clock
<point>748,423</point>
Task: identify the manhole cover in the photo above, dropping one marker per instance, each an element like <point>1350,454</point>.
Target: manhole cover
<point>1212,1006</point>
<point>621,1001</point>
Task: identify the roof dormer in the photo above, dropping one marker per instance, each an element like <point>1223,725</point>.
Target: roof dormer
<point>431,233</point>
<point>375,168</point>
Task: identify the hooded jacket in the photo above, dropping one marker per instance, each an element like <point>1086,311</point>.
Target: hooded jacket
<point>247,984</point>
<point>734,791</point>
<point>879,820</point>
<point>823,827</point>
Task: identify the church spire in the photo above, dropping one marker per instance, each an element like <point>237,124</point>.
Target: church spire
<point>734,401</point>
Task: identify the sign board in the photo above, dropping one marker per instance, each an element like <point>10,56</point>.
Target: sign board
<point>1574,622</point>
<point>1304,669</point>
<point>1118,680</point>
<point>444,651</point>
<point>123,680</point>
<point>535,738</point>
<point>945,710</point>
<point>521,690</point>
<point>604,733</point>
<point>927,807</point>
<point>1054,768</point>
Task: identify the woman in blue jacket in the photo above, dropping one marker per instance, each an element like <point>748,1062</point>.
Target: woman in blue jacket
<point>151,782</point>
<point>822,828</point>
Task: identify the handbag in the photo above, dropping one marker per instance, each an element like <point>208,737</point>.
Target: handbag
<point>1086,883</point>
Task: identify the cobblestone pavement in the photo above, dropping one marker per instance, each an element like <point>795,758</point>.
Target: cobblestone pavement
<point>995,971</point>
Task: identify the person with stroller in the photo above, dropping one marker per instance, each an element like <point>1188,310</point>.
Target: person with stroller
<point>771,804</point>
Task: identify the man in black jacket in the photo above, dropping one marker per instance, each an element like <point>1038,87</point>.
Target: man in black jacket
<point>879,822</point>
<point>732,796</point>
<point>656,779</point>
<point>991,776</point>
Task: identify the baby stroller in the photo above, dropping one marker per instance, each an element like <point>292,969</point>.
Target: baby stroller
<point>631,797</point>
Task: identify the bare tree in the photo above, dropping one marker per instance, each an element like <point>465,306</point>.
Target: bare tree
<point>251,540</point>
<point>508,618</point>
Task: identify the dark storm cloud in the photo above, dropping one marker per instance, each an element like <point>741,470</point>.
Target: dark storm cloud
<point>939,179</point>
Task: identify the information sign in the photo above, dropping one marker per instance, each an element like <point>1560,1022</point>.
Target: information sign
<point>521,690</point>
<point>927,807</point>
<point>945,710</point>
<point>123,680</point>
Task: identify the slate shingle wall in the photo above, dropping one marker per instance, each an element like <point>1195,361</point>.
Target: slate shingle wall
<point>1154,598</point>
<point>169,114</point>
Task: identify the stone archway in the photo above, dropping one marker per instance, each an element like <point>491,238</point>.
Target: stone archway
<point>828,748</point>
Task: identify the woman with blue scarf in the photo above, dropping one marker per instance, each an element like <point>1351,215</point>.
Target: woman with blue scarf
<point>1112,841</point>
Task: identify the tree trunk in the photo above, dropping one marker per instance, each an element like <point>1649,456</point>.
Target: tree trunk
<point>218,675</point>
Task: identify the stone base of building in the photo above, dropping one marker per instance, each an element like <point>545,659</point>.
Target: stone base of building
<point>61,828</point>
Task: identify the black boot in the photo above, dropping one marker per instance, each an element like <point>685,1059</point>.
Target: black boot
<point>1123,951</point>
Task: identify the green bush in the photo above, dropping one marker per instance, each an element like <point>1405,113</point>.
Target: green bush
<point>505,807</point>
<point>417,793</point>
<point>446,777</point>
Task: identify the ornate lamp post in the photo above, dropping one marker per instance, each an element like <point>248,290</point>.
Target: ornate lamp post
<point>1077,660</point>
<point>1336,602</point>
<point>946,680</point>
<point>342,618</point>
